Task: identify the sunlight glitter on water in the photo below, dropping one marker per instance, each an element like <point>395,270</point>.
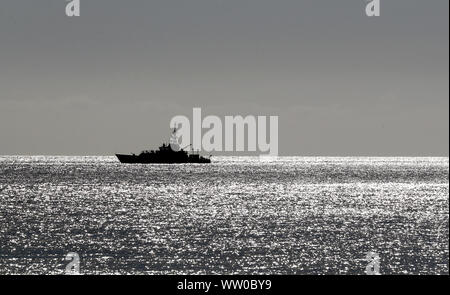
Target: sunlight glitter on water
<point>237,215</point>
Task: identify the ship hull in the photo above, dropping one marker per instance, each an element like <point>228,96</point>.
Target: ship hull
<point>155,159</point>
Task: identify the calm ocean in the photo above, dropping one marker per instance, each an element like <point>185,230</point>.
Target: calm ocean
<point>238,215</point>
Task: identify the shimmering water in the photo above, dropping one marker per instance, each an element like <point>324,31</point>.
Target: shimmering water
<point>235,216</point>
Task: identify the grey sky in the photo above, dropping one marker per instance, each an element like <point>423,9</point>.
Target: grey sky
<point>110,80</point>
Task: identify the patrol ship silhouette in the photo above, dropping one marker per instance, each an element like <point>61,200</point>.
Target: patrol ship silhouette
<point>166,154</point>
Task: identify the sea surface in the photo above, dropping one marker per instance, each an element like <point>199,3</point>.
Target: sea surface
<point>239,215</point>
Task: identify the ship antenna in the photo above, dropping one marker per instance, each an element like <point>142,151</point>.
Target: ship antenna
<point>173,132</point>
<point>174,128</point>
